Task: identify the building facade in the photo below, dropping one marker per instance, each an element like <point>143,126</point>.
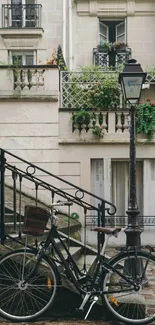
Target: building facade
<point>37,100</point>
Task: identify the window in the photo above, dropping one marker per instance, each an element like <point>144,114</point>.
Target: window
<point>112,31</point>
<point>18,58</point>
<point>22,58</point>
<point>23,13</point>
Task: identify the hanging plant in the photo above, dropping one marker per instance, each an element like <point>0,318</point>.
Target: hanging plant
<point>97,131</point>
<point>145,121</point>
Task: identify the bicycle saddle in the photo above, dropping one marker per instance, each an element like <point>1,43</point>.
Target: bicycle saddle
<point>108,231</point>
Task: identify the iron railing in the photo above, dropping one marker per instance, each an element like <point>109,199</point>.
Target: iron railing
<point>113,59</point>
<point>43,186</point>
<point>21,15</point>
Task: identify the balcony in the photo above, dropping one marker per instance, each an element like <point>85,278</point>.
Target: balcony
<point>113,59</point>
<point>114,125</point>
<point>37,82</point>
<point>21,19</point>
<point>98,93</point>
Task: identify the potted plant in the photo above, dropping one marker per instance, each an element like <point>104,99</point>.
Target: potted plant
<point>119,47</point>
<point>104,46</point>
<point>81,117</point>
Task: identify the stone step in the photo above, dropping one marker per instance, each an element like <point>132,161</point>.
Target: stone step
<point>90,260</point>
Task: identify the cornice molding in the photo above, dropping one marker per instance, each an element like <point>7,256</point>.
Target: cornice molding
<point>130,8</point>
<point>93,7</point>
<point>102,8</point>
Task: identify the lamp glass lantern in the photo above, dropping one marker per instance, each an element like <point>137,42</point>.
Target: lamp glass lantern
<point>131,79</point>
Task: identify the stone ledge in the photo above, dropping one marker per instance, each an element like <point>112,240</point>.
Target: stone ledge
<point>103,141</point>
<point>29,98</point>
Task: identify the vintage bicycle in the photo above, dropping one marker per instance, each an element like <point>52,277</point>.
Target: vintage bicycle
<point>30,279</point>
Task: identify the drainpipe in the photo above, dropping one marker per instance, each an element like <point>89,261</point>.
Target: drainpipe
<point>64,29</point>
<point>70,34</point>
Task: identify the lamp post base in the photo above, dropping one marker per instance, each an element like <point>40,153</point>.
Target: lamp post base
<point>133,231</point>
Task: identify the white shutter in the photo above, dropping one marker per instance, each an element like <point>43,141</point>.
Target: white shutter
<point>97,183</point>
<point>103,32</point>
<point>107,179</point>
<point>120,181</point>
<point>120,188</point>
<point>121,32</point>
<point>149,194</point>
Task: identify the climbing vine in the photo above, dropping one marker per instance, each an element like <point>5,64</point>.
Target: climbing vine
<point>145,122</point>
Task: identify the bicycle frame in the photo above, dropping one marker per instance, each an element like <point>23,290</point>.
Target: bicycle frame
<point>73,271</point>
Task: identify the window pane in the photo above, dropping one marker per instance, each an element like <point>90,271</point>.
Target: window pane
<point>121,29</point>
<point>103,30</point>
<point>120,32</point>
<point>29,60</point>
<point>121,38</point>
<point>17,59</point>
<point>16,2</point>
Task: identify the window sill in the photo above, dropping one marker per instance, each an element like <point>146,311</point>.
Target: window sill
<point>28,32</point>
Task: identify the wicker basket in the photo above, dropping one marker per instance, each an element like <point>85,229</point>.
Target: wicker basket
<point>35,220</point>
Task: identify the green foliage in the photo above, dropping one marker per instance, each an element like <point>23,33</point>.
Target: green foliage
<point>97,131</point>
<point>116,46</point>
<point>84,117</point>
<point>81,117</point>
<point>145,122</point>
<point>92,87</point>
<point>104,94</point>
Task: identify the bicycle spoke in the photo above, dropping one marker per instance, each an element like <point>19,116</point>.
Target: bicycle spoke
<point>25,300</point>
<point>136,305</point>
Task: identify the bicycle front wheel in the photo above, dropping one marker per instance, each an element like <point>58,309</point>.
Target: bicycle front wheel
<point>21,299</point>
<point>125,303</point>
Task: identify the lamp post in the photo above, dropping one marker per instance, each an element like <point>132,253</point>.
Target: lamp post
<point>131,80</point>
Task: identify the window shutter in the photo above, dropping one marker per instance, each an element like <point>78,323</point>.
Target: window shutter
<point>121,32</point>
<point>103,32</point>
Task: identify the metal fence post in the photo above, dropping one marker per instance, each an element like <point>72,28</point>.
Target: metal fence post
<point>2,196</point>
<point>102,209</point>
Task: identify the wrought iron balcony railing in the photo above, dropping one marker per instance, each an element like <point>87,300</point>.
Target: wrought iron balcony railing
<point>113,59</point>
<point>21,16</point>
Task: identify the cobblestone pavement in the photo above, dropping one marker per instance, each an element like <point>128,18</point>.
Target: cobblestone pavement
<point>68,322</point>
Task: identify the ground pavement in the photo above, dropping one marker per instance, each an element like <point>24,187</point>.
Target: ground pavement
<point>66,322</point>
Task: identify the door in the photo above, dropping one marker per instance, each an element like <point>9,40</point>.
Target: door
<point>17,13</point>
<point>23,13</point>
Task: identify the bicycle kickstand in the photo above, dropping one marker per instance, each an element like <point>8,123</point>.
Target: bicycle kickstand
<point>95,299</point>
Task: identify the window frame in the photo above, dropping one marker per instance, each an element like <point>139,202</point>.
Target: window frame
<point>121,19</point>
<point>23,54</point>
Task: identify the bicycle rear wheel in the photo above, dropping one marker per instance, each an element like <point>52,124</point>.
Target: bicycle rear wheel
<point>21,301</point>
<point>131,307</point>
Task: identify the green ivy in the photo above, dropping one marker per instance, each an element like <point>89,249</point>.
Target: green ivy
<point>145,122</point>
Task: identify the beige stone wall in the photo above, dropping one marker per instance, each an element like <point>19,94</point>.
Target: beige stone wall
<point>44,45</point>
<point>140,28</point>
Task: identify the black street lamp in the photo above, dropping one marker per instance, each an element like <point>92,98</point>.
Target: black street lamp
<point>131,79</point>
